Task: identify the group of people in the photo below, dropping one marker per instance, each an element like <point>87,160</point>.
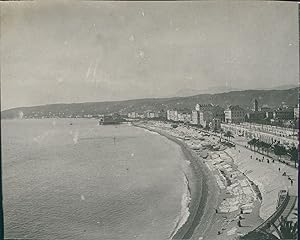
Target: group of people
<point>268,161</point>
<point>262,160</point>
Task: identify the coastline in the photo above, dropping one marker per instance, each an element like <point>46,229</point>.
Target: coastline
<point>204,196</point>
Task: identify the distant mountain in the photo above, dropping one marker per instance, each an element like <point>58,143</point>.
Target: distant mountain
<point>283,87</point>
<point>272,98</point>
<point>186,92</point>
<point>212,90</point>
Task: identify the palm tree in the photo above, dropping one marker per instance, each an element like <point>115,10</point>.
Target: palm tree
<point>259,145</point>
<point>279,150</point>
<point>251,143</point>
<point>266,147</point>
<point>288,229</point>
<point>293,153</point>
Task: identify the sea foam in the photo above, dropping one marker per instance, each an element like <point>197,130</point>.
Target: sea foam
<point>184,212</point>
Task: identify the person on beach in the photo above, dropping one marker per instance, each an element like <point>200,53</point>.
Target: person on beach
<point>291,182</point>
<point>278,168</point>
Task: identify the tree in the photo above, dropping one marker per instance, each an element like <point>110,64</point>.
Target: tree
<point>266,147</point>
<point>288,229</point>
<point>279,150</point>
<point>259,145</point>
<point>254,142</point>
<point>293,153</point>
<point>251,143</point>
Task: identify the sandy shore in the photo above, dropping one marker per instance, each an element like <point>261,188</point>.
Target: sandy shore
<point>204,193</point>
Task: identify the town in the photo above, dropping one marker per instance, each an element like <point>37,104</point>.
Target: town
<point>272,125</point>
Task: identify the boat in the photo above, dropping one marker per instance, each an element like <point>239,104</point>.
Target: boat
<point>187,138</point>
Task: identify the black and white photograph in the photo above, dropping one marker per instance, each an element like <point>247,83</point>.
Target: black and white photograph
<point>149,120</point>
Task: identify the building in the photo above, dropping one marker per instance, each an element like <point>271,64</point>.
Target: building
<point>184,116</point>
<point>234,114</point>
<point>205,118</point>
<point>255,116</point>
<point>151,114</point>
<point>283,114</point>
<point>195,117</point>
<point>296,112</point>
<point>265,108</point>
<point>215,124</point>
<point>255,105</point>
<point>133,115</point>
<point>172,115</point>
<point>110,119</point>
<point>217,111</point>
<point>267,133</point>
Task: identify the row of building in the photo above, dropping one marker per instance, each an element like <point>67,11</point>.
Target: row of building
<point>147,114</point>
<point>210,115</point>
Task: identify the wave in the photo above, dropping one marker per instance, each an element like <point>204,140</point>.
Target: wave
<point>185,211</point>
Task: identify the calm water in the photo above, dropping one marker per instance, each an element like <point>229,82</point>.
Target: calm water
<point>65,181</point>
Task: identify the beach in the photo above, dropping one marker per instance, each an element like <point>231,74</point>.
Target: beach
<point>230,195</point>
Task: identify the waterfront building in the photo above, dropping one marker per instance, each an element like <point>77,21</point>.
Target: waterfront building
<point>267,133</point>
<point>110,119</point>
<point>195,117</point>
<point>184,116</point>
<point>215,124</point>
<point>217,111</point>
<point>133,115</point>
<point>234,114</point>
<point>141,115</point>
<point>150,114</point>
<point>172,115</point>
<point>205,118</point>
<point>255,105</point>
<point>296,112</point>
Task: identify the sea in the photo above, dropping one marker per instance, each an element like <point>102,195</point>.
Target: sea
<point>73,179</point>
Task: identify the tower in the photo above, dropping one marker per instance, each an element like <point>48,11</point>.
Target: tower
<point>255,105</point>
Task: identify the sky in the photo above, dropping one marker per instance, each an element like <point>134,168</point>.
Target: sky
<point>102,51</point>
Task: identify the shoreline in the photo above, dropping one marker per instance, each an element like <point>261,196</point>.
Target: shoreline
<point>204,198</point>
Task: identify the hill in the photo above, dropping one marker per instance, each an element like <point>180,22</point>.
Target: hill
<point>272,98</point>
